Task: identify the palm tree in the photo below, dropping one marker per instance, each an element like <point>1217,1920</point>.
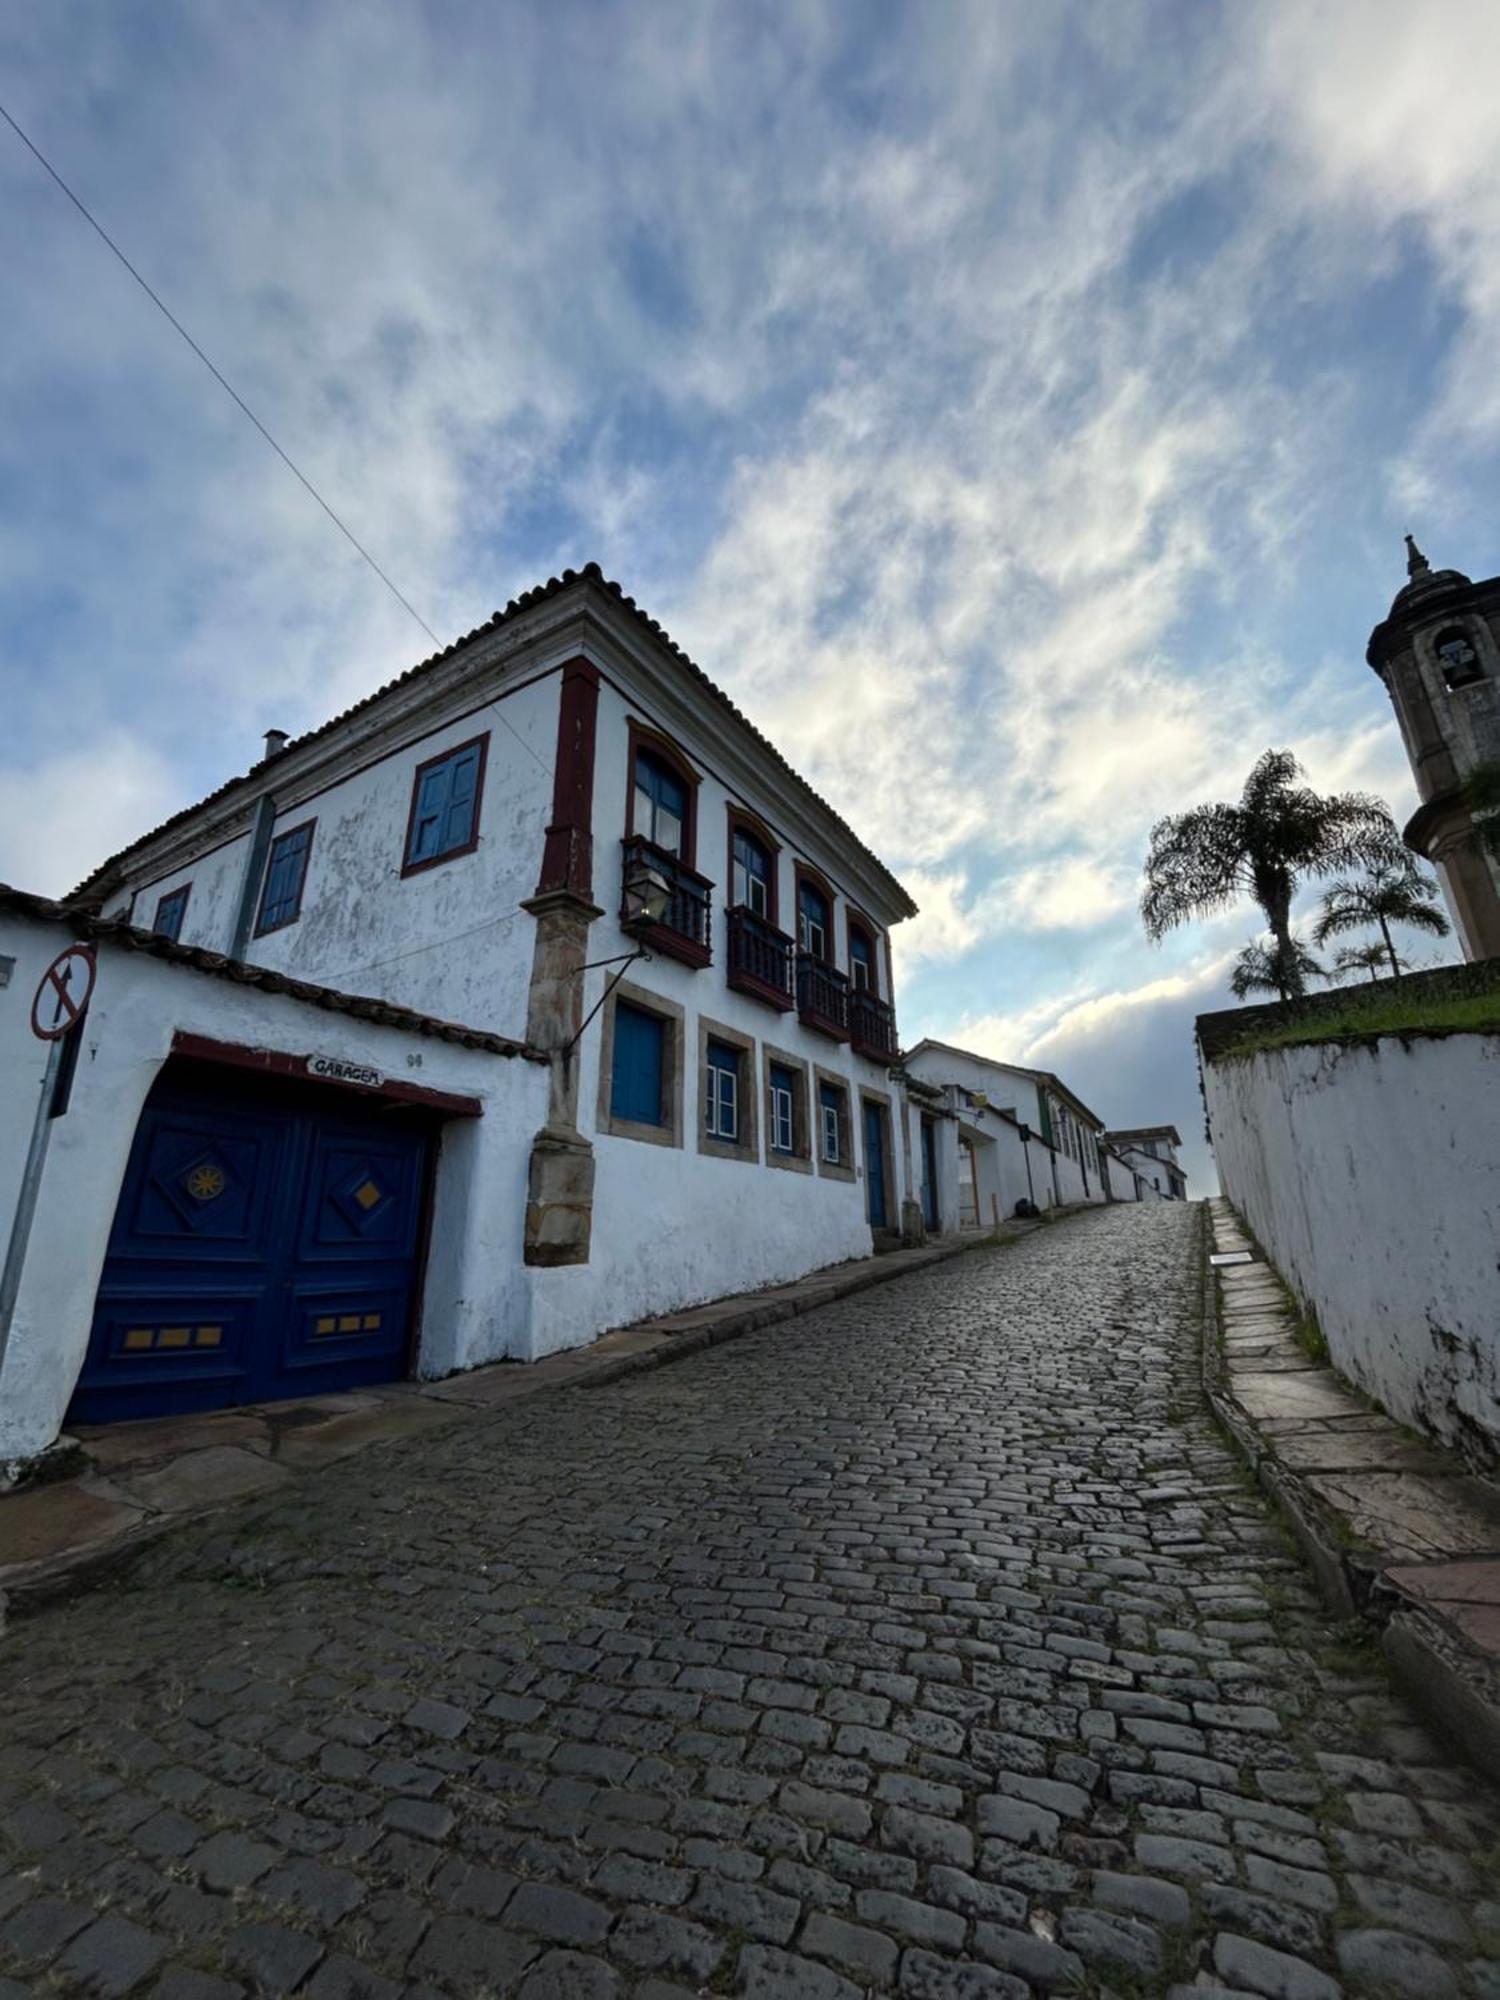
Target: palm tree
<point>1352,958</point>
<point>1263,967</point>
<point>1280,831</point>
<point>1394,891</point>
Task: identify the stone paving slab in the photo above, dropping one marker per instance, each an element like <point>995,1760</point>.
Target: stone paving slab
<point>933,1645</point>
<point>1380,1514</point>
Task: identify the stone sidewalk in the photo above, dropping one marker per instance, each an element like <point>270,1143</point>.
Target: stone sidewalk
<point>1397,1530</point>
<point>130,1483</point>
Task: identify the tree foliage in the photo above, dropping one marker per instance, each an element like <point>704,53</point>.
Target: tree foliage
<point>1265,966</point>
<point>1279,833</point>
<point>1391,891</point>
<point>1369,958</point>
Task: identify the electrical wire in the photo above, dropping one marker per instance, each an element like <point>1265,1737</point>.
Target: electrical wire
<point>229,389</point>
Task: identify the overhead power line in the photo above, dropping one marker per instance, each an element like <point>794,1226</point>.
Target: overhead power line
<point>228,387</point>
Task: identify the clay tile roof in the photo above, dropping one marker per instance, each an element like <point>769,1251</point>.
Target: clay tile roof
<point>591,573</point>
<point>385,1013</point>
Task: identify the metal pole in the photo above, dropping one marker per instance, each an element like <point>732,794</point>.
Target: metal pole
<point>1030,1190</point>
<point>31,1181</point>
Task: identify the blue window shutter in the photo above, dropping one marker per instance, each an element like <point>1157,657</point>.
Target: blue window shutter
<point>636,1075</point>
<point>281,899</point>
<point>446,804</point>
<point>463,780</point>
<point>169,913</point>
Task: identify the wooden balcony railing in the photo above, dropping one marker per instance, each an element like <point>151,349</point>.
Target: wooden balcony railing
<point>872,1026</point>
<point>760,959</point>
<point>822,997</point>
<point>683,931</point>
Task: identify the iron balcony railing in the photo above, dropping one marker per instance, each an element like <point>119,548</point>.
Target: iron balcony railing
<point>683,931</point>
<point>760,958</point>
<point>872,1026</point>
<point>822,997</point>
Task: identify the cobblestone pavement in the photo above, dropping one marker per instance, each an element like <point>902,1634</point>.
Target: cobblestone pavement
<point>932,1643</point>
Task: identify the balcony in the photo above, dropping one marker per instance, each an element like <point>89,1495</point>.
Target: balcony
<point>760,959</point>
<point>872,1027</point>
<point>822,997</point>
<point>684,928</point>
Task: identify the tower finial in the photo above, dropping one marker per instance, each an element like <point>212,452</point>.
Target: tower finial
<point>1416,563</point>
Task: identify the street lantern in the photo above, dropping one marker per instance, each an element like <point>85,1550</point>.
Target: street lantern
<point>648,892</point>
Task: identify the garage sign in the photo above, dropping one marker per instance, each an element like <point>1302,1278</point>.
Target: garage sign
<point>335,1069</point>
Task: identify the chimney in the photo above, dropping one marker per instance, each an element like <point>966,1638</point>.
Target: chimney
<point>276,741</point>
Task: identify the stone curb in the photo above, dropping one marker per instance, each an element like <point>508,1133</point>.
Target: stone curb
<point>1448,1679</point>
<point>50,1580</point>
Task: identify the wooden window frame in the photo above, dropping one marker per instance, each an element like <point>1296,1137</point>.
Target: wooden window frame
<point>183,889</point>
<point>856,924</point>
<point>740,820</point>
<point>641,736</point>
<point>843,1169</point>
<point>482,744</point>
<point>816,879</point>
<point>669,1132</point>
<point>745,1148</point>
<point>262,928</point>
<point>799,1160</point>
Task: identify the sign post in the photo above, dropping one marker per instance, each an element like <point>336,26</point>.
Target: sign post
<point>57,1012</point>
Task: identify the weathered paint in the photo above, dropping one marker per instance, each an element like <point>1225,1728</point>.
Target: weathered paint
<point>1368,1172</point>
<point>475,1304</point>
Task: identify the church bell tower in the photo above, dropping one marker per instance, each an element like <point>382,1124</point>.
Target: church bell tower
<point>1438,653</point>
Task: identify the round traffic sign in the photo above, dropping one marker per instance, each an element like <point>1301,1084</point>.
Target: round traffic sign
<point>63,992</point>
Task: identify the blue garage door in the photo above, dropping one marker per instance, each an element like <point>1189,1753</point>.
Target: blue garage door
<point>264,1246</point>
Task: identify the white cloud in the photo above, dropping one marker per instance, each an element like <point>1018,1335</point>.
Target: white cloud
<point>65,815</point>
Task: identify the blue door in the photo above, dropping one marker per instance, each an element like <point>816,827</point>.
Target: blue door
<point>875,1166</point>
<point>263,1247</point>
<point>929,1173</point>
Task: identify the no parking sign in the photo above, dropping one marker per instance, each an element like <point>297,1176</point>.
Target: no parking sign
<point>63,992</point>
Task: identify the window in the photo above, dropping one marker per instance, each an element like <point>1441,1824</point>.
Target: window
<point>1457,658</point>
<point>445,806</point>
<point>783,1110</point>
<point>812,920</point>
<point>721,1093</point>
<point>170,910</point>
<point>831,1114</point>
<point>861,962</point>
<point>660,805</point>
<point>286,871</point>
<point>752,874</point>
<point>638,1066</point>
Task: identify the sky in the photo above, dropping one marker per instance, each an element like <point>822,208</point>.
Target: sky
<point>1016,409</point>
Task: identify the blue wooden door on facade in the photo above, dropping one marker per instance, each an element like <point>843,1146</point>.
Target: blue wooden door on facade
<point>929,1173</point>
<point>262,1248</point>
<point>875,1166</point>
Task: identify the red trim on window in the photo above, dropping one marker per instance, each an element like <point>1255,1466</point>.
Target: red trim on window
<point>276,1062</point>
<point>643,737</point>
<point>858,925</point>
<point>453,853</point>
<point>803,871</point>
<point>741,820</point>
<point>263,929</point>
<point>568,851</point>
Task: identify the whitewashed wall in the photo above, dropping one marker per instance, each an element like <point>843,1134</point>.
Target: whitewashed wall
<point>1370,1174</point>
<point>475,1304</point>
<point>449,940</point>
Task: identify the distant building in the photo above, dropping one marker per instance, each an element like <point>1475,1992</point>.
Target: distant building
<point>1018,1135</point>
<point>1150,1152</point>
<point>1438,653</point>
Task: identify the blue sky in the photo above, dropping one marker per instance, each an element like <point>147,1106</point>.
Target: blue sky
<point>1016,409</point>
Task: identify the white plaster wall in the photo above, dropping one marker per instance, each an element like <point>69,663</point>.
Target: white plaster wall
<point>475,1300</point>
<point>673,1227</point>
<point>1370,1174</point>
<point>450,940</point>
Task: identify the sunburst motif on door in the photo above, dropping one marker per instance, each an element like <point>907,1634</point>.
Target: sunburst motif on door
<point>206,1181</point>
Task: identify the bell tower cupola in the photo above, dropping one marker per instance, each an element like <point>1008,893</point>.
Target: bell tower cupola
<point>1438,653</point>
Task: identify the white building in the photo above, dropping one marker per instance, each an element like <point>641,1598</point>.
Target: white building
<point>1017,1135</point>
<point>1150,1152</point>
<point>623,1042</point>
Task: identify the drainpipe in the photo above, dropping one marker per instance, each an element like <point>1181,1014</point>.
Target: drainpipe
<point>255,861</point>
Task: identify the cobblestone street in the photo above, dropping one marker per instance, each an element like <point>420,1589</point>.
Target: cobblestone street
<point>934,1642</point>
